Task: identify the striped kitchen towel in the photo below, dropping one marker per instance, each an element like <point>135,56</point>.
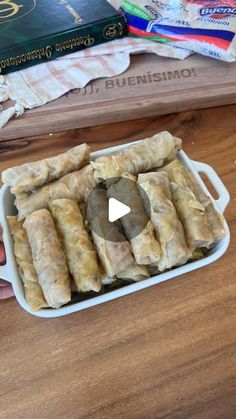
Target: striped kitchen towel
<point>45,82</point>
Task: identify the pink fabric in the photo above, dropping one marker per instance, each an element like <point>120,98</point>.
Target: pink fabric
<point>6,290</point>
<point>40,84</point>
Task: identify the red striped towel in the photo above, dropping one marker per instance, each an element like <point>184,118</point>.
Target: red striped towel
<point>45,82</point>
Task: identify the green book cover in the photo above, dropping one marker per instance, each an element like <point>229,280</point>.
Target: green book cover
<point>35,31</point>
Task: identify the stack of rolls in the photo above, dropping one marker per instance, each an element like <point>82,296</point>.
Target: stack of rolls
<point>56,242</point>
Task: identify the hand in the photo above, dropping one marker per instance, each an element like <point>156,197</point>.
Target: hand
<point>6,290</point>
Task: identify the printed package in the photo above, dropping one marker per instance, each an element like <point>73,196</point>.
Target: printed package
<point>203,26</point>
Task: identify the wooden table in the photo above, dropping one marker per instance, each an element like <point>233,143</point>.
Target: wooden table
<point>166,352</point>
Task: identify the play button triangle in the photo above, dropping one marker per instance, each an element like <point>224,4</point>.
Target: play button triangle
<point>117,210</point>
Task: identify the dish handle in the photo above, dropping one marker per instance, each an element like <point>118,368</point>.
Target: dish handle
<point>4,269</point>
<point>220,188</point>
<point>4,273</point>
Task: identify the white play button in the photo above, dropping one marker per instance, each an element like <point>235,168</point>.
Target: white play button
<point>122,202</point>
<point>117,210</point>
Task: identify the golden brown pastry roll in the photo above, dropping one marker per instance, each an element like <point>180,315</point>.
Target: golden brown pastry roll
<point>137,225</point>
<point>76,185</point>
<point>134,272</point>
<point>48,257</point>
<point>192,213</point>
<point>26,204</point>
<point>151,152</point>
<point>33,292</point>
<point>80,252</point>
<point>215,219</point>
<point>197,254</point>
<point>112,247</point>
<point>165,220</point>
<point>30,176</point>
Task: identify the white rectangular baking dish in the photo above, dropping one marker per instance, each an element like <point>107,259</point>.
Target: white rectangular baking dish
<point>10,272</point>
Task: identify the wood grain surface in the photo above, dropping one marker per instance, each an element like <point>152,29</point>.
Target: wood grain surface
<point>165,352</point>
<point>151,86</point>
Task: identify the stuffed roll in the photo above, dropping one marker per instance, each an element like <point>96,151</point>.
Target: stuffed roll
<point>163,215</point>
<point>134,272</point>
<point>191,211</point>
<point>76,185</point>
<point>48,257</point>
<point>137,225</point>
<point>151,152</point>
<point>30,176</point>
<point>80,252</point>
<point>33,291</point>
<point>216,220</point>
<point>113,249</point>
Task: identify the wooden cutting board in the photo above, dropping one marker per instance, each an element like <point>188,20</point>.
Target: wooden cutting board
<point>151,86</point>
